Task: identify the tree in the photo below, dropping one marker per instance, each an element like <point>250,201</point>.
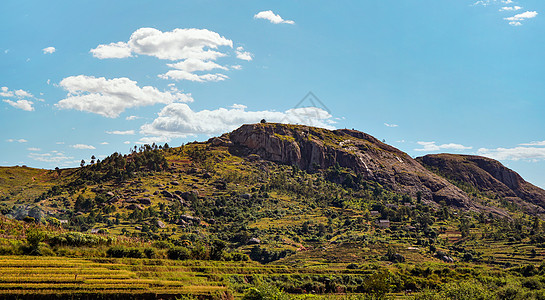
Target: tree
<point>93,159</point>
<point>82,163</point>
<point>34,237</point>
<point>58,171</point>
<point>263,121</point>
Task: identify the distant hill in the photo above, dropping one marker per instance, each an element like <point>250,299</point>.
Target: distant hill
<point>488,176</point>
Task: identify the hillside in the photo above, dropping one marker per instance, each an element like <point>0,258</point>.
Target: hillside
<point>487,176</point>
<point>314,149</point>
<point>309,201</point>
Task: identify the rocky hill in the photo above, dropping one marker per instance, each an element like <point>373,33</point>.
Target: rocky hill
<point>314,149</point>
<point>488,176</point>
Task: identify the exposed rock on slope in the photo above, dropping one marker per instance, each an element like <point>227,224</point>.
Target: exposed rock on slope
<point>312,149</point>
<point>487,175</point>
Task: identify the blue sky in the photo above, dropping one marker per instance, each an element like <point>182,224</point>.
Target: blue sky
<point>82,78</point>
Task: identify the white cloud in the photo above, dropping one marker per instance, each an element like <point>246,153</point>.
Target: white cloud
<point>110,97</point>
<point>23,94</point>
<point>118,132</point>
<point>83,147</point>
<point>126,142</point>
<point>510,8</point>
<point>536,143</point>
<point>391,125</point>
<point>432,146</point>
<point>49,50</point>
<point>193,64</point>
<point>18,141</point>
<point>194,49</point>
<point>236,67</point>
<point>244,55</point>
<point>33,149</point>
<point>131,118</point>
<point>489,2</point>
<point>112,50</point>
<point>51,157</point>
<point>104,143</point>
<point>5,92</point>
<point>173,45</point>
<point>517,153</point>
<point>21,104</point>
<point>178,120</point>
<point>272,17</point>
<point>184,75</point>
<point>516,19</point>
<point>523,16</point>
<point>22,101</point>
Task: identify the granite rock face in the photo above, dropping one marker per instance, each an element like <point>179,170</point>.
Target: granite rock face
<point>488,176</point>
<point>313,149</point>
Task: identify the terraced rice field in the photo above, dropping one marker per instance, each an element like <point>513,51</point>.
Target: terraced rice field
<point>29,277</point>
<point>49,277</point>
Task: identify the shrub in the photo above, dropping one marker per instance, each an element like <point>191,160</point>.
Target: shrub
<point>180,253</point>
<point>149,252</point>
<point>78,239</point>
<point>162,244</point>
<point>120,251</point>
<point>353,266</point>
<point>467,290</point>
<point>116,251</point>
<point>265,292</point>
<point>236,256</point>
<point>34,237</point>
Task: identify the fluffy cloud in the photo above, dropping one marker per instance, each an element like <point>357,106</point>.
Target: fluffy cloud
<point>431,146</point>
<point>112,50</point>
<point>194,49</point>
<point>179,120</point>
<point>83,147</point>
<point>517,153</point>
<point>110,97</point>
<point>390,125</point>
<point>244,55</point>
<point>21,104</point>
<point>49,50</point>
<point>272,17</point>
<point>118,132</point>
<point>516,20</point>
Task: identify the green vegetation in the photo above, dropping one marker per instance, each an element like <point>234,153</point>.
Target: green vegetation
<point>199,221</point>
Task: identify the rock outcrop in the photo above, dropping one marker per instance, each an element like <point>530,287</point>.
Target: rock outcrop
<point>487,175</point>
<point>314,149</point>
